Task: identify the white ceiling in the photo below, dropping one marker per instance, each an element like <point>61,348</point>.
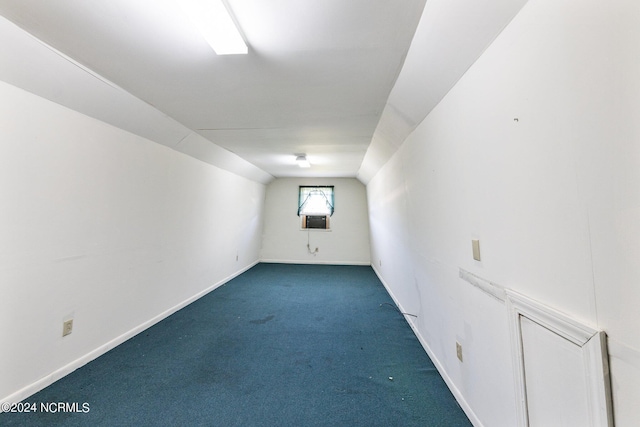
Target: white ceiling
<point>317,78</point>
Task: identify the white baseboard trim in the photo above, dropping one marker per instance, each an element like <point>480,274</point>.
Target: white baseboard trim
<point>300,261</point>
<point>94,354</point>
<point>454,390</point>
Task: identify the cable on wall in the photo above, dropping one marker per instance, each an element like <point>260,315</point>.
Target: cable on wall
<point>309,245</point>
<point>396,309</point>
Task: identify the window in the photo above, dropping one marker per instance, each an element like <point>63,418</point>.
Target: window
<point>315,206</point>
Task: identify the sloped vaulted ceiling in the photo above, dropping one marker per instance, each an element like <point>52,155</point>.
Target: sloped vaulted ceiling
<point>451,36</point>
<point>319,77</point>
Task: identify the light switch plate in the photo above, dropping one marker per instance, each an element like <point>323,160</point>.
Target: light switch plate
<point>67,327</point>
<point>475,245</point>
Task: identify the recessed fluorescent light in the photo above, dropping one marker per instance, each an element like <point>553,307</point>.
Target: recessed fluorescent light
<point>213,20</point>
<point>303,162</point>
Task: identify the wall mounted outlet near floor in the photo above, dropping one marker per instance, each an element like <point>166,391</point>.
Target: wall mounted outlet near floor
<point>67,327</point>
<point>459,351</point>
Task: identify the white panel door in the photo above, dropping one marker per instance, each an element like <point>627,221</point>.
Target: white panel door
<point>562,369</point>
<point>555,384</point>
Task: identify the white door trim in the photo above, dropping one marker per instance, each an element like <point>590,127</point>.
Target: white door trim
<point>594,353</point>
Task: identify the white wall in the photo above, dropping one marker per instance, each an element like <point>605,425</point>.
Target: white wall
<point>68,83</point>
<point>105,227</point>
<point>346,243</point>
<point>554,198</point>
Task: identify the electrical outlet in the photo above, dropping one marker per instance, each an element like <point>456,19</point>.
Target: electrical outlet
<point>67,327</point>
<point>459,351</point>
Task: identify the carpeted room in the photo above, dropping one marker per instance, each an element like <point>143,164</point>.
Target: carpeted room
<point>303,339</point>
<point>281,344</point>
<point>139,172</point>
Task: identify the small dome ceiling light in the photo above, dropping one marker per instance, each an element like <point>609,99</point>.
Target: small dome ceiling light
<point>302,161</point>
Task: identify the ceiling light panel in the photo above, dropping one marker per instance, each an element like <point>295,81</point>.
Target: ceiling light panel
<point>214,21</point>
<point>303,162</point>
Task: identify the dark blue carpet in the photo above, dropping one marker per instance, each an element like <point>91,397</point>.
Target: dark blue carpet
<point>280,345</point>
